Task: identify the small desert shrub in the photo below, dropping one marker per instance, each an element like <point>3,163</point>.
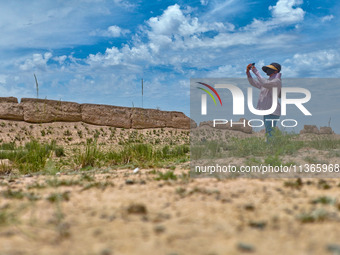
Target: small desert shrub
<point>5,168</point>
<point>59,151</point>
<point>67,133</point>
<point>90,156</point>
<point>58,197</point>
<point>316,215</point>
<point>321,143</point>
<point>169,175</point>
<point>6,217</point>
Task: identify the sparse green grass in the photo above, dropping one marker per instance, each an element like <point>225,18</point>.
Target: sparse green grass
<point>56,182</point>
<point>30,158</point>
<point>252,161</point>
<point>322,184</point>
<point>169,175</point>
<point>294,184</point>
<point>89,157</point>
<point>146,154</point>
<point>324,200</point>
<point>13,194</point>
<point>7,146</point>
<point>316,215</point>
<point>6,217</point>
<point>86,177</point>
<point>19,194</point>
<point>311,160</point>
<point>5,168</point>
<point>67,133</point>
<point>58,197</point>
<point>98,185</point>
<point>280,144</point>
<point>59,151</point>
<point>323,143</point>
<point>207,149</point>
<point>36,185</point>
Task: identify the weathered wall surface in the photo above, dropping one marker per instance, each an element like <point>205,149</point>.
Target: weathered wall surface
<point>106,115</point>
<point>10,109</point>
<point>312,129</point>
<point>44,111</point>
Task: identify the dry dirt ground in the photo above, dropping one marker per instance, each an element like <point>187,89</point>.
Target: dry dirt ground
<point>121,212</point>
<point>75,133</point>
<point>116,211</point>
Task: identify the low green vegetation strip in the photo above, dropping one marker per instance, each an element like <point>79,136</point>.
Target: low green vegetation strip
<point>280,144</point>
<point>50,157</point>
<point>144,155</point>
<point>30,158</point>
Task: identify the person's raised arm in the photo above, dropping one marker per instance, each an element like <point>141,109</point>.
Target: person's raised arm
<point>276,82</point>
<point>252,82</point>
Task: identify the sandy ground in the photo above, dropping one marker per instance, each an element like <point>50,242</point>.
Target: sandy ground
<point>136,214</point>
<point>109,211</point>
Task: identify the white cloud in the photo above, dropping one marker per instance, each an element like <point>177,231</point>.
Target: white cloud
<point>285,12</point>
<point>327,18</point>
<point>3,78</point>
<point>204,2</point>
<point>55,24</point>
<point>174,22</point>
<point>125,4</point>
<point>321,63</point>
<point>38,61</point>
<point>116,31</point>
<point>60,59</point>
<point>112,31</point>
<point>177,39</point>
<point>227,71</point>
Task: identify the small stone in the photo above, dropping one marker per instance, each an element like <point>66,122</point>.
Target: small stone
<point>137,209</point>
<point>112,217</point>
<point>226,200</point>
<point>159,229</point>
<point>8,233</point>
<point>244,247</point>
<point>249,207</point>
<point>129,182</point>
<point>106,252</point>
<point>258,224</point>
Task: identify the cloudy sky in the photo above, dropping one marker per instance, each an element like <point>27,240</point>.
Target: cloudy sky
<point>97,51</point>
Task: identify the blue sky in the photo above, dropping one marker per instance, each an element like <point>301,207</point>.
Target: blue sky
<point>97,51</point>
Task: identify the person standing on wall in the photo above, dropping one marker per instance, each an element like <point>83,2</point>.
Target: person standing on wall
<point>266,95</point>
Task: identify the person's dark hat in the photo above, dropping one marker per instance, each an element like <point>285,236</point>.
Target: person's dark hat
<point>272,67</point>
